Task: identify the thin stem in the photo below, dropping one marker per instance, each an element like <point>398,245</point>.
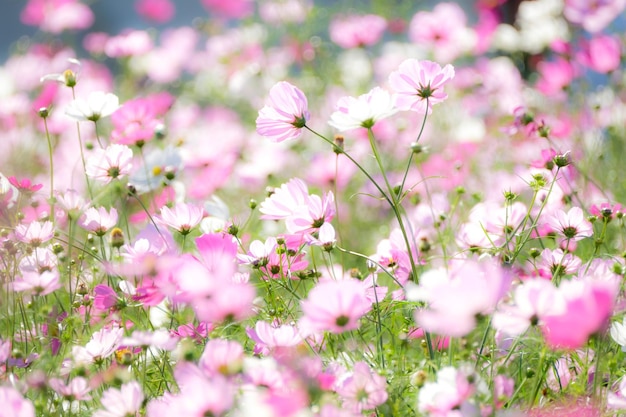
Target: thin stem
<point>82,153</point>
<point>52,216</point>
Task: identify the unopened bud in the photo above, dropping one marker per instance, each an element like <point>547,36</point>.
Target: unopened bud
<point>117,237</point>
<point>69,78</point>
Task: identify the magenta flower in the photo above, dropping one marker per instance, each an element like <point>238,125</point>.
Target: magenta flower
<point>158,11</point>
<point>335,306</point>
<point>285,113</point>
<point>55,16</point>
<point>135,122</point>
<point>601,53</point>
<point>419,84</point>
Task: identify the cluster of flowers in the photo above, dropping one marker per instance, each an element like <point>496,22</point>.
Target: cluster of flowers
<point>378,217</point>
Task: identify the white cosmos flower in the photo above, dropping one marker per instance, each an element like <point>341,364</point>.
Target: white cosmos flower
<point>98,105</point>
<point>363,111</point>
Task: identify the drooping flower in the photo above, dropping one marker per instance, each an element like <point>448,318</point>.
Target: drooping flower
<point>364,111</point>
<point>285,113</point>
<point>419,84</point>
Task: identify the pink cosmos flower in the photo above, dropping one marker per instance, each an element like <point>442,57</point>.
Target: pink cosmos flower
<point>601,53</point>
<point>274,339</point>
<point>617,400</point>
<point>122,402</point>
<point>335,306</point>
<point>221,357</point>
<point>555,76</point>
<point>159,11</point>
<point>557,263</point>
<point>457,296</point>
<point>159,339</point>
<point>285,113</point>
<point>199,395</point>
<point>99,220</point>
<point>136,121</point>
<point>357,31</point>
<point>14,405</point>
<point>571,225</point>
<point>419,84</point>
<point>443,31</point>
<point>55,16</point>
<point>105,298</point>
<point>41,260</point>
<point>312,215</point>
<point>588,306</point>
<point>364,111</point>
<point>111,163</point>
<point>593,16</point>
<point>24,185</point>
<point>38,284</point>
<point>77,389</point>
<point>35,233</point>
<point>363,389</point>
<point>182,217</point>
<point>285,200</point>
<point>102,344</point>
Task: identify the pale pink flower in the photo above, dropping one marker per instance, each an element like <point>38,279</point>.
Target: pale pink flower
<point>617,400</point>
<point>443,31</point>
<point>284,11</point>
<point>41,260</point>
<point>34,233</point>
<point>76,389</point>
<point>271,339</point>
<point>13,404</point>
<point>201,396</point>
<point>72,202</point>
<point>335,306</point>
<point>182,217</point>
<point>99,220</point>
<point>38,284</point>
<point>285,113</point>
<point>601,53</point>
<point>159,339</point>
<point>595,15</point>
<point>122,402</point>
<point>102,344</point>
<point>571,225</point>
<point>556,262</point>
<point>419,84</point>
<point>326,237</point>
<point>55,16</point>
<point>159,11</point>
<point>457,296</point>
<point>450,392</point>
<point>221,357</point>
<point>285,200</point>
<point>533,300</point>
<point>618,333</point>
<point>315,212</point>
<point>363,389</point>
<point>111,163</point>
<point>136,122</point>
<point>97,106</point>
<point>130,43</point>
<point>364,111</point>
<point>357,31</point>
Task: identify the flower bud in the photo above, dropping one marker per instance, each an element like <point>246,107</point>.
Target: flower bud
<point>117,237</point>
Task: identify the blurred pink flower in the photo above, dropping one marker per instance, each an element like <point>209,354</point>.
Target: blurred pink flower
<point>77,389</point>
<point>284,201</point>
<point>588,306</point>
<point>159,11</point>
<point>335,306</point>
<point>419,84</point>
<point>285,113</point>
<point>13,404</point>
<point>450,392</point>
<point>271,339</point>
<point>363,389</point>
<point>130,43</point>
<point>122,402</point>
<point>357,31</point>
<point>443,31</point>
<point>55,16</point>
<point>182,217</point>
<point>601,53</point>
<point>231,9</point>
<point>38,284</point>
<point>555,76</point>
<point>136,122</point>
<point>593,16</point>
<point>221,356</point>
